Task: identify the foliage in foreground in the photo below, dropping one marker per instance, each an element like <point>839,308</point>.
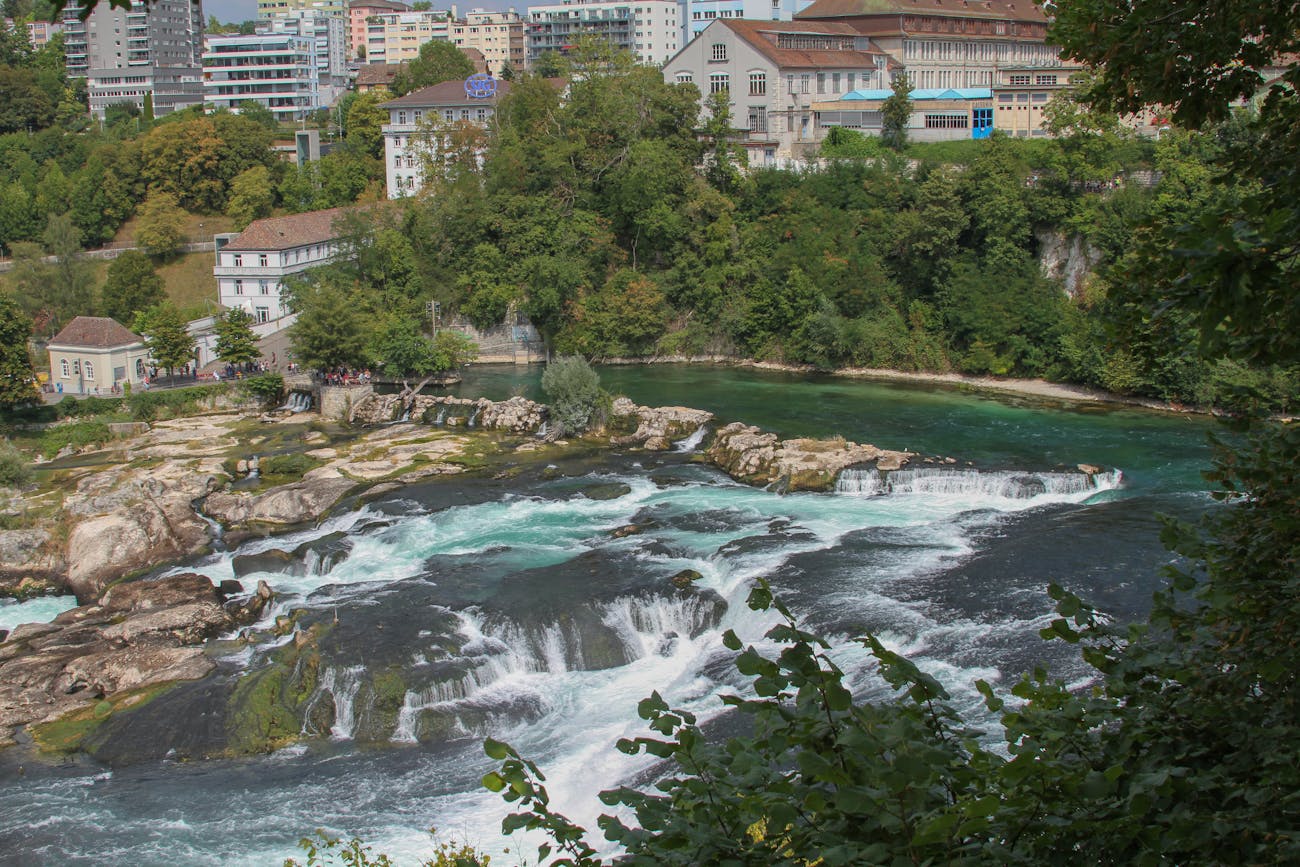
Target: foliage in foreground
<point>575,393</point>
<point>323,849</point>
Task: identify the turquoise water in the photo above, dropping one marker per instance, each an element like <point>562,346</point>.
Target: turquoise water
<point>1157,451</point>
<point>42,609</point>
<point>512,609</point>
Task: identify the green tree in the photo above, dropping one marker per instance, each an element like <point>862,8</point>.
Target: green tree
<point>131,287</point>
<point>160,226</point>
<point>573,389</point>
<point>24,105</point>
<point>17,377</point>
<point>252,196</point>
<point>236,342</point>
<point>328,332</point>
<point>70,290</point>
<point>549,64</point>
<point>439,61</point>
<point>896,113</point>
<point>725,158</point>
<point>164,332</point>
<point>400,350</point>
<point>364,120</point>
<point>259,114</point>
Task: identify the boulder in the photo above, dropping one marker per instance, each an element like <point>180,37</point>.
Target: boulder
<point>655,428</point>
<point>141,635</point>
<point>29,554</point>
<point>286,506</point>
<point>685,578</point>
<point>757,457</point>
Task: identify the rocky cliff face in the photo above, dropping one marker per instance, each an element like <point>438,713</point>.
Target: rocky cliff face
<point>756,457</point>
<point>97,659</point>
<point>1069,259</point>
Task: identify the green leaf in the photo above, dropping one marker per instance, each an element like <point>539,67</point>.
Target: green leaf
<point>493,782</point>
<point>496,749</point>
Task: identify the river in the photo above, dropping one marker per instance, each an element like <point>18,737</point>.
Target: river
<point>507,606</point>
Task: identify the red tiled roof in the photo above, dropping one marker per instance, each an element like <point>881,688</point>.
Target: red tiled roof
<point>1004,10</point>
<point>377,74</point>
<point>761,35</point>
<point>282,233</point>
<point>98,332</point>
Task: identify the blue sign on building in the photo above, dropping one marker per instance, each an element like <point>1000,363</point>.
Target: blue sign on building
<point>481,85</point>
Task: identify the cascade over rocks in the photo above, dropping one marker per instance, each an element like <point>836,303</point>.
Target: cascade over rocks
<point>97,659</point>
<point>653,427</point>
<point>756,457</point>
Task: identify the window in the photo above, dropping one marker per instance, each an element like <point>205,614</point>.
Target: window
<point>139,368</point>
<point>239,261</point>
<point>821,82</point>
<point>401,117</point>
<point>1045,80</point>
<point>239,287</point>
<point>757,83</point>
<point>719,82</point>
<point>1019,80</point>
<point>946,121</point>
<point>262,261</point>
<point>684,78</point>
<point>719,52</point>
<point>757,118</point>
<point>1040,97</point>
<point>63,368</point>
<point>464,114</point>
<point>417,115</point>
<point>805,83</point>
<point>835,82</point>
<point>482,115</point>
<point>1005,97</point>
<point>264,288</point>
<point>853,81</point>
<point>263,314</point>
<point>90,369</point>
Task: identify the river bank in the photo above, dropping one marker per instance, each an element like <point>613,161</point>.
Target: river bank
<point>1034,388</point>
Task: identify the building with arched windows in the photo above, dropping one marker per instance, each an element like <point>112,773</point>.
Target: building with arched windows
<point>94,354</point>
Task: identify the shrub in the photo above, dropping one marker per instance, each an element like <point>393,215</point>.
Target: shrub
<point>574,391</point>
<point>147,405</point>
<point>77,434</point>
<point>292,466</point>
<point>14,469</point>
<point>266,387</point>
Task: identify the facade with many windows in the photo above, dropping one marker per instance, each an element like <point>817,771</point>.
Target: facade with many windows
<point>359,13</point>
<point>396,37</point>
<point>275,70</point>
<point>699,14</point>
<point>773,73</point>
<point>252,265</point>
<point>499,36</point>
<point>937,115</point>
<point>650,29</point>
<point>1022,93</point>
<point>409,140</point>
<point>96,355</point>
<point>145,55</point>
<point>948,43</point>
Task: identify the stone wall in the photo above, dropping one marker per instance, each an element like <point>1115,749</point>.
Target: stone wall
<point>338,401</point>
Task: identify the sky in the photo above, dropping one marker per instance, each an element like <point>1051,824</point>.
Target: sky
<point>246,10</point>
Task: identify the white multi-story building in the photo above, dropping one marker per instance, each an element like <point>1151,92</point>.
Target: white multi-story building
<point>330,34</point>
<point>408,142</point>
<point>276,70</point>
<point>650,29</point>
<point>498,35</point>
<point>148,54</point>
<point>396,37</point>
<point>272,8</point>
<point>773,72</point>
<point>698,14</point>
<point>252,265</point>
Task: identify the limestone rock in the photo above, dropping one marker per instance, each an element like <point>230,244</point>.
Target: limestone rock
<point>285,506</point>
<point>655,428</point>
<point>757,457</point>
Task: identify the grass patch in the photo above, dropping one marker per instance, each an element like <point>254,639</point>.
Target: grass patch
<point>189,284</point>
<point>283,469</point>
<point>76,434</point>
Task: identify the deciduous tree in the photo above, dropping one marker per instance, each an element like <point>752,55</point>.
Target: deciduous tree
<point>164,332</point>
<point>17,377</point>
<point>236,342</point>
<point>132,286</point>
<point>896,113</point>
<point>439,61</point>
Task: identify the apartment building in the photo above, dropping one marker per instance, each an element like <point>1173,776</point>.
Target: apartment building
<point>773,72</point>
<point>396,37</point>
<point>39,33</point>
<point>330,36</point>
<point>276,70</point>
<point>948,43</point>
<point>698,14</point>
<point>358,13</point>
<point>272,8</point>
<point>650,29</point>
<point>498,35</point>
<point>146,55</point>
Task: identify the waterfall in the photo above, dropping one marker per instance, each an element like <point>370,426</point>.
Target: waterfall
<point>541,431</point>
<point>692,442</point>
<point>297,401</point>
<point>649,625</point>
<point>343,684</point>
<point>998,484</point>
<point>442,416</point>
<point>473,416</point>
<point>215,530</point>
<point>253,467</point>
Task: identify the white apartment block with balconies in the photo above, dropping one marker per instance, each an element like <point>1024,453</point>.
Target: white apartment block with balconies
<point>650,29</point>
<point>253,264</point>
<point>275,70</point>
